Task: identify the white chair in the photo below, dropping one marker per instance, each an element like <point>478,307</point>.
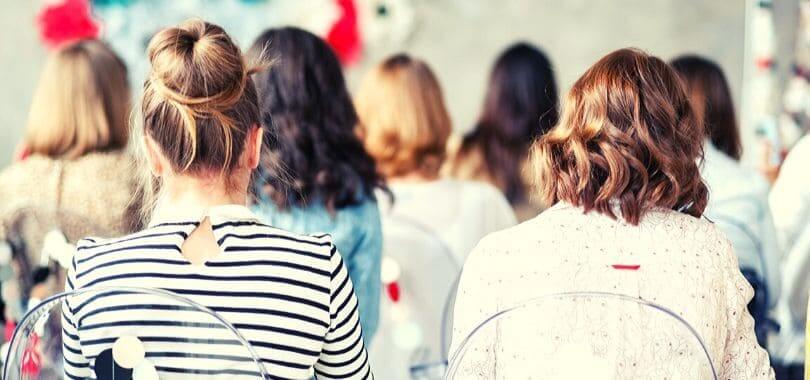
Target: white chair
<point>35,351</point>
<point>583,335</point>
<point>414,331</point>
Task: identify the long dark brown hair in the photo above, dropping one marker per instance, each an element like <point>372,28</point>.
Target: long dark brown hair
<point>311,150</point>
<point>520,105</point>
<point>708,90</point>
<point>628,137</point>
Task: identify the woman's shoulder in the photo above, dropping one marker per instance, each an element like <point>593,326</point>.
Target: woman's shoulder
<point>476,188</point>
<point>231,233</point>
<point>31,167</point>
<point>727,178</point>
<point>466,162</point>
<point>114,160</point>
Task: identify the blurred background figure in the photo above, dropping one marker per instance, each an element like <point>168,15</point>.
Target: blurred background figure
<point>316,176</point>
<point>738,195</point>
<point>790,203</point>
<point>790,197</point>
<point>520,105</point>
<point>405,127</point>
<point>72,176</point>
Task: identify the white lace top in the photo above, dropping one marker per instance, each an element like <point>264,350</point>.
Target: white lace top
<point>671,259</point>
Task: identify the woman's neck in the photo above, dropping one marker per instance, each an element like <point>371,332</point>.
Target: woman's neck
<point>184,192</point>
<point>414,177</point>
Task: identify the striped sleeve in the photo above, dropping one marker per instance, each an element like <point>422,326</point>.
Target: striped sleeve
<point>343,355</point>
<point>76,365</point>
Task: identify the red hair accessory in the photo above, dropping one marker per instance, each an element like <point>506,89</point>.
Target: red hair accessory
<point>66,21</point>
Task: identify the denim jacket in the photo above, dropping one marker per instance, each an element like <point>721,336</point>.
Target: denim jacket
<point>357,234</point>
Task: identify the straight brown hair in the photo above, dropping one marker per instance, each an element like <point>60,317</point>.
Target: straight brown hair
<point>81,104</point>
<point>708,90</point>
<point>403,119</point>
<point>628,138</point>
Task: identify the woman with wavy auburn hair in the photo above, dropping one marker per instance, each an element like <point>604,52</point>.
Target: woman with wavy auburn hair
<point>622,168</point>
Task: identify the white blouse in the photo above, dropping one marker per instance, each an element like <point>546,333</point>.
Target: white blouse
<point>684,264</point>
<point>790,197</point>
<point>459,212</point>
<point>428,230</point>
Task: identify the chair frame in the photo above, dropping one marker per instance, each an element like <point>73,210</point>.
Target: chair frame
<point>46,305</point>
<point>458,354</point>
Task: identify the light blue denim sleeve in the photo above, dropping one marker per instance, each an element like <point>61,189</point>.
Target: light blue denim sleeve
<point>364,268</point>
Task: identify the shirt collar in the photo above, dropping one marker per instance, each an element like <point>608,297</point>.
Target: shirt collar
<point>217,214</point>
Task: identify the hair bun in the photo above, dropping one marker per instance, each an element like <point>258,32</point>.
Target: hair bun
<point>196,64</point>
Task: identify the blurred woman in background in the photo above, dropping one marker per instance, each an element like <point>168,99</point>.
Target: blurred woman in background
<point>405,127</point>
<point>790,203</point>
<point>432,223</point>
<point>315,176</point>
<point>520,105</point>
<point>621,168</point>
<point>71,173</point>
<point>738,196</point>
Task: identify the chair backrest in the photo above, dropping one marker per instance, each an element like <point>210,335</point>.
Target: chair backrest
<point>582,335</point>
<point>414,330</point>
<point>35,222</point>
<point>217,348</point>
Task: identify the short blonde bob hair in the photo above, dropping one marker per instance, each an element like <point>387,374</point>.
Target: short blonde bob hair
<point>403,119</point>
<point>628,138</point>
<point>81,104</point>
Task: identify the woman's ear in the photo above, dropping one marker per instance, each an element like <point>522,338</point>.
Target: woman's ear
<point>154,158</point>
<point>254,146</point>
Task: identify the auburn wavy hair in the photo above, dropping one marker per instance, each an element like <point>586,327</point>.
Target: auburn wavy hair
<point>627,138</point>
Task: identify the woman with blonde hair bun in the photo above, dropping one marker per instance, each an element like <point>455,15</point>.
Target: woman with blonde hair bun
<point>290,294</point>
<point>622,170</point>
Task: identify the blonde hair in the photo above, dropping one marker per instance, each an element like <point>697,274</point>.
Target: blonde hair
<point>81,103</point>
<point>199,101</point>
<point>403,119</point>
<point>198,104</point>
<point>628,137</point>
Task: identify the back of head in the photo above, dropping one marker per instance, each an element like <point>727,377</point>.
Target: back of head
<point>199,101</point>
<point>312,150</point>
<point>403,119</point>
<point>520,105</point>
<point>81,104</point>
<point>627,137</point>
<point>708,90</point>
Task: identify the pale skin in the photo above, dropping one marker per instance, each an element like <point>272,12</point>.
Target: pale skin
<point>182,190</point>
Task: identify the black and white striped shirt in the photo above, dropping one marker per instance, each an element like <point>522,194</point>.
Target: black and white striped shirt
<point>289,295</point>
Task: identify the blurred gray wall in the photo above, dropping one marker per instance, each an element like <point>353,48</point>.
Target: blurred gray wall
<point>461,38</point>
<point>21,58</point>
